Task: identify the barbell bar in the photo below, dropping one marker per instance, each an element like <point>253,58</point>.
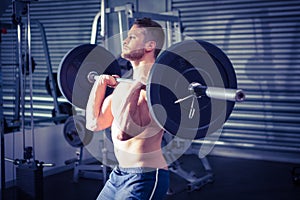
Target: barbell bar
<point>195,69</point>
<point>92,76</point>
<point>196,90</point>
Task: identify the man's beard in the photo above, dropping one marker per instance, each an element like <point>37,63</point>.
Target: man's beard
<point>134,55</point>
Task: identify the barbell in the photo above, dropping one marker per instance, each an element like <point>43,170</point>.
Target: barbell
<point>191,88</point>
<point>196,89</point>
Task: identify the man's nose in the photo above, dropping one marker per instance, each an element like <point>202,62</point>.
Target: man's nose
<point>125,41</point>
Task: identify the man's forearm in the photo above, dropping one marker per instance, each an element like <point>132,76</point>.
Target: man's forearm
<point>94,105</point>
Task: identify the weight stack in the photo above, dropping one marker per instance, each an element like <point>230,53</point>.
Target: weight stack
<point>29,181</point>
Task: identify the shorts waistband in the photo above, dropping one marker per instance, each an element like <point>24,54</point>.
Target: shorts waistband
<point>138,169</point>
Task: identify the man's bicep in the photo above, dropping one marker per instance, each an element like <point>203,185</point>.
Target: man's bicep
<point>105,118</point>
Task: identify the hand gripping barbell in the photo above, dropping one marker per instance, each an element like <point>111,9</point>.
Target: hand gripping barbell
<point>191,89</point>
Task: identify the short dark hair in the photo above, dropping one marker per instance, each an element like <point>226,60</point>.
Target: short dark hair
<point>154,32</point>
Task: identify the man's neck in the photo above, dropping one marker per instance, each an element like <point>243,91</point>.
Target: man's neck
<point>141,70</point>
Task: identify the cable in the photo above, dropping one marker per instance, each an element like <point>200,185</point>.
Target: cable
<point>30,79</point>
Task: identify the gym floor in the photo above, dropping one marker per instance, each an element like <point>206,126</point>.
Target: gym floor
<point>235,179</point>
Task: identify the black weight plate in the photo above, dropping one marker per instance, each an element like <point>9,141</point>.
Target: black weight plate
<point>177,67</point>
<point>75,67</point>
<point>75,132</point>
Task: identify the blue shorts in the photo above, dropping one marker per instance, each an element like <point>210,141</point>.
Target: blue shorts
<point>135,184</point>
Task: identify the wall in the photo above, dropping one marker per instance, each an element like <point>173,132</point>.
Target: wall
<point>261,38</point>
<point>3,5</point>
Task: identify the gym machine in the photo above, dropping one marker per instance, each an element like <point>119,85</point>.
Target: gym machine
<point>60,111</point>
<point>29,171</point>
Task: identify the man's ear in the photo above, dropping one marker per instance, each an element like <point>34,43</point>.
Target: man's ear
<point>150,45</point>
